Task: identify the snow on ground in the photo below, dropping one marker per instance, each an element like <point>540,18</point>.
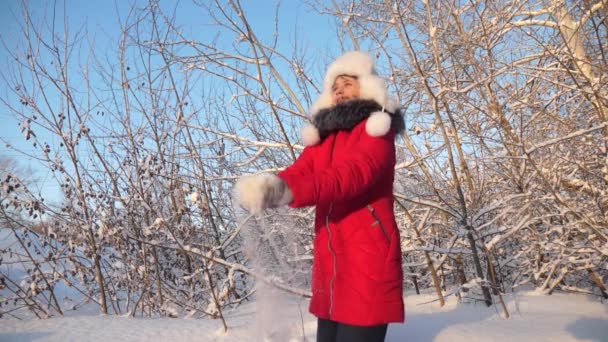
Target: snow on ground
<point>560,317</point>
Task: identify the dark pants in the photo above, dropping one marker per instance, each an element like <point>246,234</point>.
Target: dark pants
<point>330,331</point>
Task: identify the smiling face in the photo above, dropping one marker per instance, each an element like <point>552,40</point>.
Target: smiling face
<point>345,88</point>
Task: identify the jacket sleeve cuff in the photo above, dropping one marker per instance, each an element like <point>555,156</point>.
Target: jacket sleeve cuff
<point>301,195</point>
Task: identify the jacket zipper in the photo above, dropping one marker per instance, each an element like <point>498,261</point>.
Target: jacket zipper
<point>333,255</point>
<point>378,222</point>
<point>331,251</point>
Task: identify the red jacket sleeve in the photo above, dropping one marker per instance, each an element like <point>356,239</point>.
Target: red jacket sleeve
<point>371,160</point>
<point>302,167</point>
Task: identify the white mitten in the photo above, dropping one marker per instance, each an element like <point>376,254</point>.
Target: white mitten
<point>260,191</point>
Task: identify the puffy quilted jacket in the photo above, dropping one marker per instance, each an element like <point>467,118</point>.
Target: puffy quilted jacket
<point>357,275</point>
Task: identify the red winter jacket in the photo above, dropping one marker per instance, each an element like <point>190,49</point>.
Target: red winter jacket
<point>357,276</point>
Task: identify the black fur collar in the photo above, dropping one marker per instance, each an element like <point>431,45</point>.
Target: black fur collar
<point>347,115</point>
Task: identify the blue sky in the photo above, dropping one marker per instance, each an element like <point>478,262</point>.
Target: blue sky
<point>101,20</point>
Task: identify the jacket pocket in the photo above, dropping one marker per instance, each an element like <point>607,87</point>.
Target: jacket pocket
<point>378,223</point>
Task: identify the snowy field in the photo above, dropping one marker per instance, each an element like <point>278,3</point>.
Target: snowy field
<point>559,317</point>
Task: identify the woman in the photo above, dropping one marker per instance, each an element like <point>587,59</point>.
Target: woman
<point>347,172</point>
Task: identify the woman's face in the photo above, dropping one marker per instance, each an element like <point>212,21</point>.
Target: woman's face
<point>345,88</point>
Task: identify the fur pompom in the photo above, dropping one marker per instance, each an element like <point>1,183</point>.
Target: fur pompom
<point>249,190</point>
<point>310,135</point>
<point>378,124</point>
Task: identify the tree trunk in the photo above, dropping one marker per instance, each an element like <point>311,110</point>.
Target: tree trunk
<point>415,280</point>
<point>101,284</point>
<point>597,281</point>
<point>484,288</point>
<point>462,277</point>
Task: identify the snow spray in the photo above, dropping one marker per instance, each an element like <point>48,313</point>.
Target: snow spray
<point>270,244</point>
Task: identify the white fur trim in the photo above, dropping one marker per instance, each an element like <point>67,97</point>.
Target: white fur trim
<point>324,101</point>
<point>310,135</point>
<point>372,87</point>
<point>378,124</point>
<point>249,190</point>
<point>392,104</point>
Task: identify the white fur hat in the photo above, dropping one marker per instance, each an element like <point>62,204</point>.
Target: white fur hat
<point>371,87</point>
